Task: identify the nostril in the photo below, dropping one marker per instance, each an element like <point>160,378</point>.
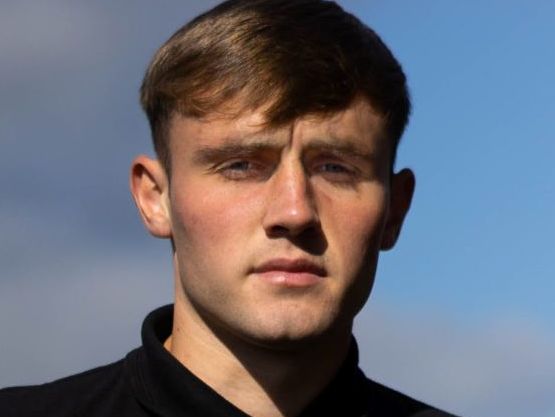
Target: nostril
<point>278,231</point>
<point>289,228</point>
<point>309,238</point>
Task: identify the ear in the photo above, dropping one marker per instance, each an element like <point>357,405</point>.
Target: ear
<point>149,187</point>
<point>401,191</point>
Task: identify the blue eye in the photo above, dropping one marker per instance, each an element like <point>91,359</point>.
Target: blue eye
<point>239,166</point>
<point>243,170</point>
<point>336,172</point>
<point>334,168</point>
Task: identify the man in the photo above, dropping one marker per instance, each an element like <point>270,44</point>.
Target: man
<point>275,124</point>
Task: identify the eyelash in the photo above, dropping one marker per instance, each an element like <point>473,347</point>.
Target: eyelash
<point>338,173</point>
<point>233,165</point>
<point>240,169</point>
<point>334,165</point>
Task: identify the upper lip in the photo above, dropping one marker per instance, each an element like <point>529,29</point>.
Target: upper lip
<point>290,265</point>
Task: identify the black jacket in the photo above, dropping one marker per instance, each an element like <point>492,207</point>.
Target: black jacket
<point>149,381</point>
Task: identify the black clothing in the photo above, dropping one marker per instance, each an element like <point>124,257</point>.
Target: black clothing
<point>150,382</point>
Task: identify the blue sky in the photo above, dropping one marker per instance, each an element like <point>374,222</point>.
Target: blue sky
<point>462,313</point>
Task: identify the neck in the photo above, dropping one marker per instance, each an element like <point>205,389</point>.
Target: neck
<point>259,380</point>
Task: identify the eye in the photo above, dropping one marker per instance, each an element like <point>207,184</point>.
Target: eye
<point>336,171</point>
<point>333,168</point>
<point>239,166</point>
<point>242,169</point>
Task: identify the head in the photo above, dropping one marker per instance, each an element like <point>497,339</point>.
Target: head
<point>290,58</point>
<point>276,125</point>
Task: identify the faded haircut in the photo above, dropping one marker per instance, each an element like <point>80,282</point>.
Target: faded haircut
<point>291,58</point>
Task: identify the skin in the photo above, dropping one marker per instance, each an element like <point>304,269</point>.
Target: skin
<point>276,234</point>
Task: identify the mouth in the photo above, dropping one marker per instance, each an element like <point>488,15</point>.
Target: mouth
<point>290,272</point>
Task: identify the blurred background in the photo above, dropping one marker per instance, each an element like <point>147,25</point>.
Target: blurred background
<point>462,314</point>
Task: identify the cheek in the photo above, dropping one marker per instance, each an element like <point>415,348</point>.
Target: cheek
<point>358,242</point>
<point>214,221</point>
<point>355,240</point>
<point>357,225</point>
<point>361,238</point>
<point>194,218</point>
<point>368,225</point>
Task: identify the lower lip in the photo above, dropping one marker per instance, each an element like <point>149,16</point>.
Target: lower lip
<point>290,279</point>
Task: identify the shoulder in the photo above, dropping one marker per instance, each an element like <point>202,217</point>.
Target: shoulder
<point>97,392</point>
<point>388,402</point>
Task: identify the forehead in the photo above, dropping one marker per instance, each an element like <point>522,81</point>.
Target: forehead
<point>359,124</point>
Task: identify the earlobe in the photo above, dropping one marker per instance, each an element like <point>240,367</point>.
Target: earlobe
<point>401,192</point>
<point>149,187</point>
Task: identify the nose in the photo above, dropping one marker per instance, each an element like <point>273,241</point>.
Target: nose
<point>290,209</point>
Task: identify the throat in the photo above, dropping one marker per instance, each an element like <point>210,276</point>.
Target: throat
<point>261,382</point>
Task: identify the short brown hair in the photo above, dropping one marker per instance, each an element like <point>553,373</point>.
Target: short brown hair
<point>294,57</point>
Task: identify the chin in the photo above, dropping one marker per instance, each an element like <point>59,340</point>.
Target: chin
<point>292,335</point>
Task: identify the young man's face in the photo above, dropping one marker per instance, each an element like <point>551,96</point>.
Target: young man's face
<point>277,232</point>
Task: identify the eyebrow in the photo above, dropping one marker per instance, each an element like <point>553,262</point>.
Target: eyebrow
<point>236,149</point>
<point>233,149</point>
<point>341,147</point>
